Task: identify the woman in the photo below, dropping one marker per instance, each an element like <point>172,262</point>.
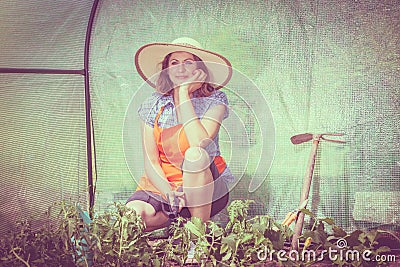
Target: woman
<point>180,124</point>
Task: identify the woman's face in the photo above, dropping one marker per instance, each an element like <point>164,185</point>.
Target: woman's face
<point>181,67</point>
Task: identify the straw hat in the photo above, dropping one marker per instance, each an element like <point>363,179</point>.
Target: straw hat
<point>149,57</point>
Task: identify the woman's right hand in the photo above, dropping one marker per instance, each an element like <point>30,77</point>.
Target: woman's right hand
<point>194,82</point>
<point>180,196</point>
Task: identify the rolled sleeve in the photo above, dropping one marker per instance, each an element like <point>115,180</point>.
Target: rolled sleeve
<point>149,108</point>
<point>219,98</point>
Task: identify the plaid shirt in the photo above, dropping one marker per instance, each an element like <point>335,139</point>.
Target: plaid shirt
<point>149,109</point>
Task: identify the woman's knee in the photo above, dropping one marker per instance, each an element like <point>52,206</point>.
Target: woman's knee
<point>196,159</point>
<point>141,208</point>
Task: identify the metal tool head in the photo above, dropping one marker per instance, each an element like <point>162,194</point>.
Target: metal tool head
<point>173,210</point>
<point>332,140</point>
<point>301,138</point>
<point>83,214</point>
<point>305,137</point>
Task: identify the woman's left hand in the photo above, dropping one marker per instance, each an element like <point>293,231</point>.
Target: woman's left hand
<point>194,82</point>
<point>180,196</point>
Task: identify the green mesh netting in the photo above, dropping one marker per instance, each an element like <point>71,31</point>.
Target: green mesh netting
<point>322,67</point>
<point>42,133</point>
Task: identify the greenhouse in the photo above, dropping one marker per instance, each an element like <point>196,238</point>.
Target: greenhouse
<point>313,126</point>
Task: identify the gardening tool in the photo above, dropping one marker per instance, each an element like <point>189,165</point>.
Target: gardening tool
<point>298,139</point>
<point>84,215</point>
<point>292,215</point>
<point>173,211</point>
<point>81,247</point>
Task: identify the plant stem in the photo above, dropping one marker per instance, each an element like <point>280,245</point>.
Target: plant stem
<point>120,240</point>
<point>314,224</point>
<point>19,258</point>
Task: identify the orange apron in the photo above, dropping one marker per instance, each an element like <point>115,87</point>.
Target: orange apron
<point>172,144</point>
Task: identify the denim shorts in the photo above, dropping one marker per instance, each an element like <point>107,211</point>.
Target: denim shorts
<point>220,196</point>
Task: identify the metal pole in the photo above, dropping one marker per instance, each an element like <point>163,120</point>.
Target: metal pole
<point>41,71</point>
<point>89,129</point>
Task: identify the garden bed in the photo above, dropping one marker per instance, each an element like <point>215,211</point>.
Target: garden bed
<point>116,238</point>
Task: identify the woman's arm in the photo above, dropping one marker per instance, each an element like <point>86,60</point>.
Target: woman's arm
<point>152,165</point>
<point>198,132</point>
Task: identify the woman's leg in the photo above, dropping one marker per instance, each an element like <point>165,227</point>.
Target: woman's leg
<point>153,220</point>
<point>198,182</point>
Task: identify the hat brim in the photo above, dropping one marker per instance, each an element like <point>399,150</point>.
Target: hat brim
<point>148,60</point>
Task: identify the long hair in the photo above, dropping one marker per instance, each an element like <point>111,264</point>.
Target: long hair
<point>164,84</point>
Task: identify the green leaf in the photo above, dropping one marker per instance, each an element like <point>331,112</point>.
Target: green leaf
<point>329,221</point>
<point>360,247</point>
<point>230,241</point>
<point>193,229</point>
<point>276,238</point>
<point>218,232</point>
<point>109,234</point>
<point>383,249</point>
<point>197,257</point>
<point>259,227</point>
<point>372,236</point>
<point>156,262</point>
<point>354,238</point>
<point>362,237</point>
<point>338,232</point>
<point>227,256</point>
<point>198,223</point>
<point>224,248</point>
<point>246,238</point>
<point>314,235</point>
<point>214,261</point>
<point>308,212</point>
<point>132,242</point>
<point>259,240</point>
<point>321,231</point>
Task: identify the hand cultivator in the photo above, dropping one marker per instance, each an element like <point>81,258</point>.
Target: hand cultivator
<point>298,139</point>
<point>173,211</point>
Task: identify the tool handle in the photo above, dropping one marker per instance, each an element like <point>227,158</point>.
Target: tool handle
<point>291,219</point>
<point>305,193</point>
<point>286,218</point>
